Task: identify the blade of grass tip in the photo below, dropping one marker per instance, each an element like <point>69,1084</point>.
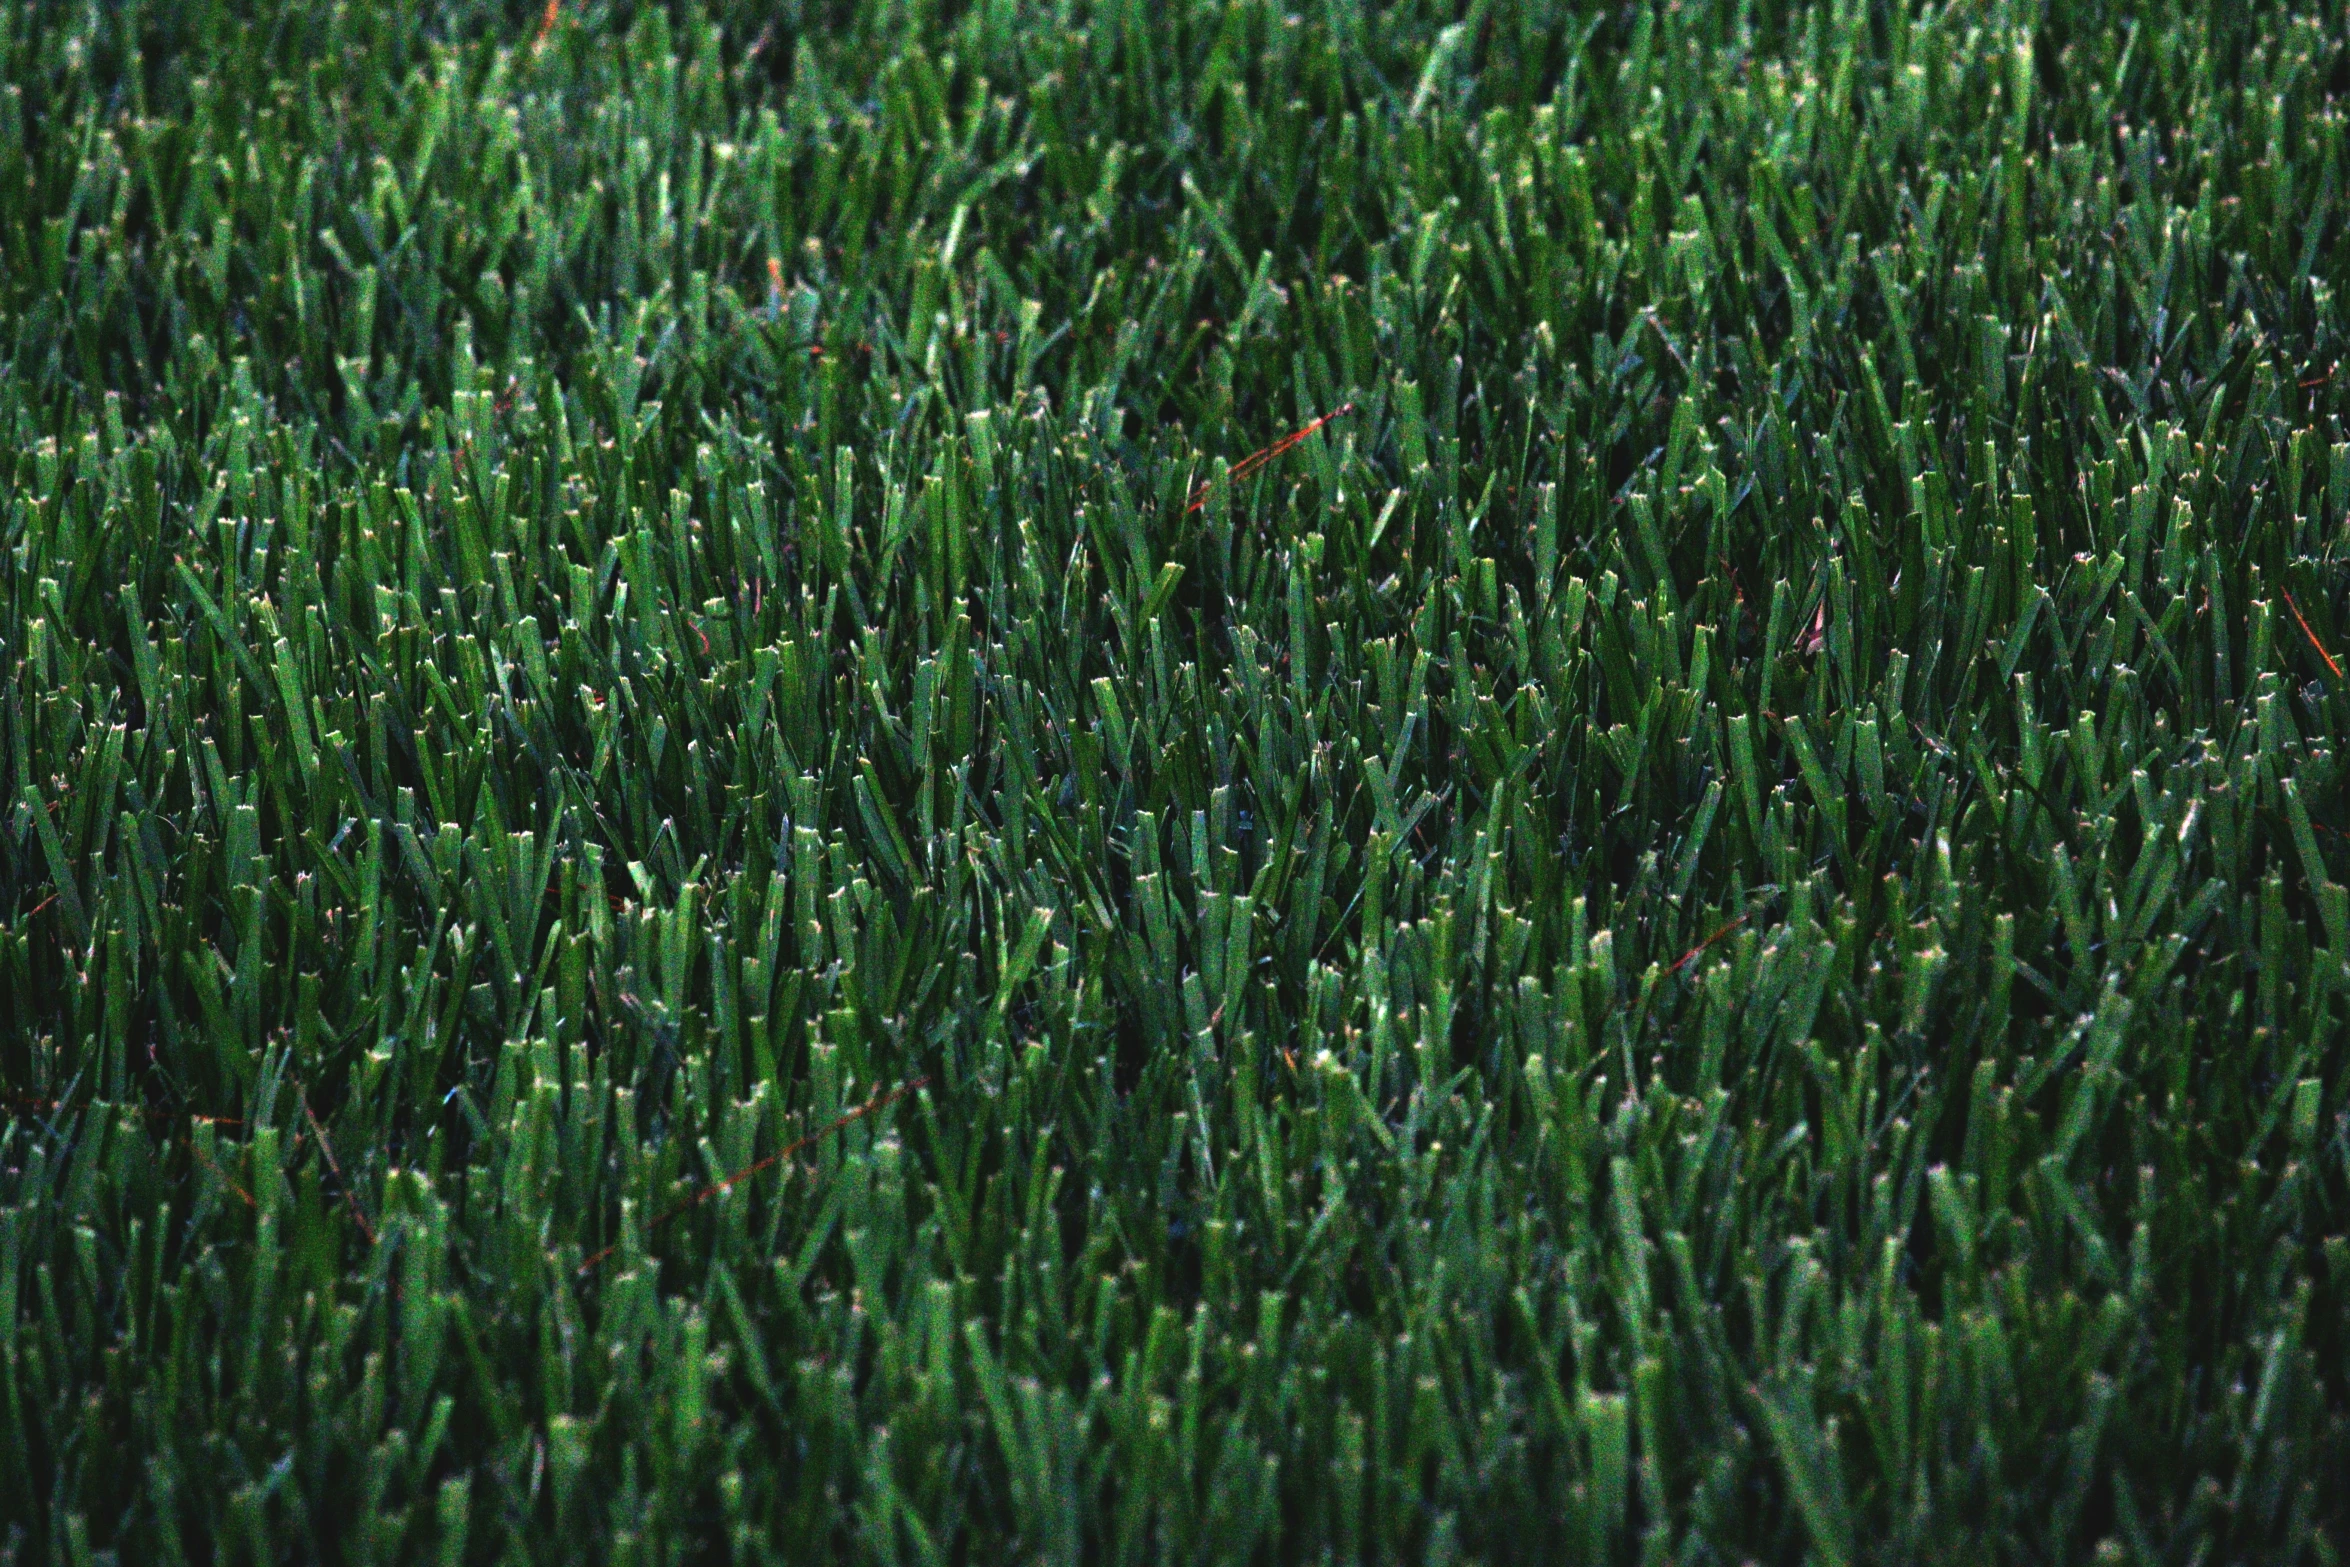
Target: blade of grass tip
<point>2311,635</point>
<point>350,1197</point>
<point>880,1101</point>
<point>25,1104</point>
<point>1263,455</point>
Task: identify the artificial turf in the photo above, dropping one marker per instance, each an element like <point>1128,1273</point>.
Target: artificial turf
<point>693,869</point>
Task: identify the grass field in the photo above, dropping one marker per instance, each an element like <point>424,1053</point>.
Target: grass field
<point>694,870</point>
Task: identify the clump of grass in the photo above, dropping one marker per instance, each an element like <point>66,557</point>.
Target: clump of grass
<point>1708,931</point>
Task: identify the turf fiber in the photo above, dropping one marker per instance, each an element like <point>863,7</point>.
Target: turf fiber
<point>711,851</point>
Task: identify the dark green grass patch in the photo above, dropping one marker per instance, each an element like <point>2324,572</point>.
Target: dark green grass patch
<point>663,898</point>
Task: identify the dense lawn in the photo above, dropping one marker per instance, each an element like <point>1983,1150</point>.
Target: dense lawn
<point>693,872</point>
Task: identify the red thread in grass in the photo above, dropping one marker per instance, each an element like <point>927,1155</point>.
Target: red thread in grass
<point>1810,642</point>
<point>775,309</point>
<point>1257,459</point>
<point>2312,636</point>
<point>880,1101</point>
<point>1691,955</point>
<point>547,23</point>
<point>245,1196</point>
<point>350,1197</point>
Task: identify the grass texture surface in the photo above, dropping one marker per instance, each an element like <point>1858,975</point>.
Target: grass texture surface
<point>692,868</point>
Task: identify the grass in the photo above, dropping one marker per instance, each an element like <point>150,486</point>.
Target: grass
<point>693,870</point>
